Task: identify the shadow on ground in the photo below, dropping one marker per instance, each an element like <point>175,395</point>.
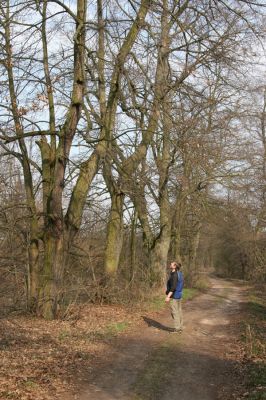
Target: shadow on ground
<point>155,324</point>
<point>142,369</point>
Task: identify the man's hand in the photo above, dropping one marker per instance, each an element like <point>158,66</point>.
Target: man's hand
<point>168,297</point>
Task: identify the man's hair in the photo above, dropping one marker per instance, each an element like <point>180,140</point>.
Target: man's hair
<point>177,265</point>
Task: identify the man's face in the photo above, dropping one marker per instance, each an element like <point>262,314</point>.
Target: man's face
<point>172,266</point>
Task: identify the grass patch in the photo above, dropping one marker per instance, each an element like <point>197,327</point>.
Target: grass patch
<point>255,344</point>
<point>157,303</point>
<point>257,375</point>
<point>10,395</point>
<point>189,294</point>
<point>29,384</point>
<point>116,328</point>
<point>157,374</point>
<point>63,335</point>
<point>108,332</point>
<point>257,396</point>
<point>257,381</point>
<point>202,283</point>
<point>257,307</point>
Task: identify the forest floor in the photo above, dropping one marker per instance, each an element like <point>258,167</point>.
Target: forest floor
<point>114,353</point>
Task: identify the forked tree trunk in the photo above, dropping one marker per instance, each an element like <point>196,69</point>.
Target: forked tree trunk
<point>108,107</point>
<point>54,165</point>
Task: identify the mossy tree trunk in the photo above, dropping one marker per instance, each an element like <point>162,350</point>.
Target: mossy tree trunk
<point>130,164</point>
<point>54,161</point>
<point>60,231</point>
<point>114,240</point>
<point>159,252</point>
<point>106,117</point>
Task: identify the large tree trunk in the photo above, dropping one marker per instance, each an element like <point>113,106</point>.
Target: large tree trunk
<point>176,240</point>
<point>157,249</point>
<point>54,228</point>
<point>133,248</point>
<point>159,252</point>
<point>191,264</point>
<point>159,255</point>
<point>52,274</point>
<point>33,282</point>
<point>108,107</point>
<point>114,239</point>
<point>177,223</point>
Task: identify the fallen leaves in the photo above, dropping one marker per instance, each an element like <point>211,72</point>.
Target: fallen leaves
<point>41,360</point>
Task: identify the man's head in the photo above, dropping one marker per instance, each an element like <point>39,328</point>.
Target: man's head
<point>178,266</point>
<point>174,266</point>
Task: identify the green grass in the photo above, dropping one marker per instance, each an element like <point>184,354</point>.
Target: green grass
<point>257,382</point>
<point>108,332</point>
<point>115,328</point>
<point>63,335</point>
<point>30,384</point>
<point>255,340</point>
<point>157,373</point>
<point>10,395</point>
<point>157,303</point>
<point>258,395</point>
<point>189,294</point>
<point>256,306</point>
<point>202,283</point>
<point>257,375</point>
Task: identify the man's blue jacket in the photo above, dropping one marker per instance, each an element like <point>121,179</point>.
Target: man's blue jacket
<point>175,284</point>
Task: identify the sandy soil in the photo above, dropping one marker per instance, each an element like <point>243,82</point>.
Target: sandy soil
<point>199,364</point>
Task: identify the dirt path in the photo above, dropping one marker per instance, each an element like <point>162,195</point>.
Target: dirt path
<point>150,363</point>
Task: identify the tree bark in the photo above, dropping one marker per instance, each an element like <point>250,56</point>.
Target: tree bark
<point>191,267</point>
<point>108,106</point>
<point>114,240</point>
<point>55,248</point>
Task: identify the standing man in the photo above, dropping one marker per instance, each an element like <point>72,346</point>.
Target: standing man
<point>174,290</point>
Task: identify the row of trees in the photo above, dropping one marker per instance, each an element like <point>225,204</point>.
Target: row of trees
<point>131,107</point>
<point>240,221</point>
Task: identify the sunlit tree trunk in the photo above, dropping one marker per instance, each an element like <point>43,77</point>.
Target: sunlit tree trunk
<point>89,168</point>
<point>177,223</point>
<point>55,249</point>
<point>114,240</point>
<point>160,249</point>
<point>192,265</point>
<point>133,246</point>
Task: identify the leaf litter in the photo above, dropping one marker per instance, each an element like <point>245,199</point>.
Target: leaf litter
<point>41,359</point>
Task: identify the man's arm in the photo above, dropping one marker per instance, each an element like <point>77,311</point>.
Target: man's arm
<point>173,284</point>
